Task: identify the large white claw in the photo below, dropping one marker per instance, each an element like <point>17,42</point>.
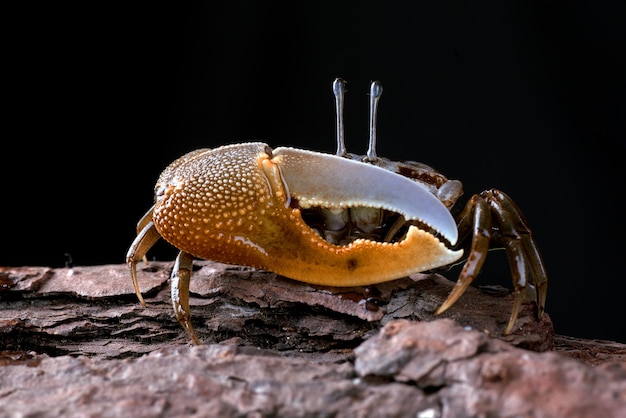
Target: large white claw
<point>330,181</point>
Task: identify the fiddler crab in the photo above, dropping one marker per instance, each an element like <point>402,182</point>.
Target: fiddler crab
<point>333,220</point>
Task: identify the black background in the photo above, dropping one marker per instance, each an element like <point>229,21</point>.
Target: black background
<point>525,98</point>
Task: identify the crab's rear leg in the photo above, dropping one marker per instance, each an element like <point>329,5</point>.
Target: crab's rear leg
<point>181,275</point>
<point>527,268</point>
<point>147,236</point>
<point>475,219</point>
<point>492,216</point>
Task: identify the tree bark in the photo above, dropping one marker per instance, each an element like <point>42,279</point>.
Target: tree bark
<point>76,342</point>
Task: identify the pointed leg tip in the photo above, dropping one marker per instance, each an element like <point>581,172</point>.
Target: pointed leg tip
<point>509,328</point>
<point>517,306</point>
<point>190,332</point>
<point>454,295</point>
<point>440,310</point>
<point>540,311</point>
<point>140,298</point>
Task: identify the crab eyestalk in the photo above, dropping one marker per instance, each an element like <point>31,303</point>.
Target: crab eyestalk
<point>339,90</point>
<point>376,90</point>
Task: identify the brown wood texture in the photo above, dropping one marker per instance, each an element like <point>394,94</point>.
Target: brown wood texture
<point>78,339</point>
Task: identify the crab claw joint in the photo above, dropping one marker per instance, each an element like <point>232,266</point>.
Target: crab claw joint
<point>241,204</point>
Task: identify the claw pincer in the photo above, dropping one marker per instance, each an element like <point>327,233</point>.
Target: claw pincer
<point>242,203</point>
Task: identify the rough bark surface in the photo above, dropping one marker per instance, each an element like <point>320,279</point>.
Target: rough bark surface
<point>75,342</point>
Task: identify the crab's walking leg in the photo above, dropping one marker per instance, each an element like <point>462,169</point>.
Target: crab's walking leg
<point>475,219</point>
<point>510,230</point>
<point>524,258</point>
<point>145,239</point>
<point>145,219</point>
<point>539,273</point>
<point>181,275</point>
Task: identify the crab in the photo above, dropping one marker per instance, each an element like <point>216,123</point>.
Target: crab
<point>339,220</point>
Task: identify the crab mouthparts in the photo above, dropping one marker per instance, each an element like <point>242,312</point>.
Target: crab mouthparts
<point>343,226</point>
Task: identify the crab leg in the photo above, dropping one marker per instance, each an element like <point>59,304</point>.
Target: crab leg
<point>511,231</point>
<point>145,219</point>
<point>539,273</point>
<point>181,275</point>
<point>524,259</point>
<point>145,239</point>
<point>475,218</point>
